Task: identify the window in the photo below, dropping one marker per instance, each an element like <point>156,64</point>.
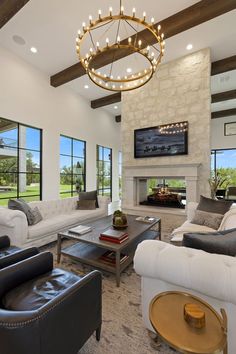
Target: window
<point>20,162</point>
<point>120,173</point>
<point>72,166</point>
<point>104,171</point>
<point>223,162</point>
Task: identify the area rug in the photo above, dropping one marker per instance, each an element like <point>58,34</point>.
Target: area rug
<point>122,328</point>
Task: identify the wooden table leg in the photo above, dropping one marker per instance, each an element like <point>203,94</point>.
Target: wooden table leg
<point>58,248</point>
<point>117,268</point>
<point>159,224</point>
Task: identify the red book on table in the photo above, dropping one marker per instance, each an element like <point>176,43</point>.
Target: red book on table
<point>111,239</point>
<point>114,234</point>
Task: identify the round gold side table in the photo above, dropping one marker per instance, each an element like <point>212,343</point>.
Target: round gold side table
<point>166,313</point>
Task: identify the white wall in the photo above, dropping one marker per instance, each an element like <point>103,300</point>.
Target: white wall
<point>27,97</point>
<point>218,140</point>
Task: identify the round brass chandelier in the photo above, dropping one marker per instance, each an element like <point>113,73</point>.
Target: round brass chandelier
<point>96,54</point>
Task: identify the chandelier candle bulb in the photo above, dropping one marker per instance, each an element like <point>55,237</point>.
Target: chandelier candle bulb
<point>118,39</point>
<point>159,28</point>
<point>122,10</point>
<point>129,40</point>
<point>83,25</point>
<point>107,41</point>
<point>133,12</point>
<point>144,16</point>
<point>99,14</point>
<point>152,20</point>
<point>110,10</point>
<point>90,19</point>
<point>139,43</point>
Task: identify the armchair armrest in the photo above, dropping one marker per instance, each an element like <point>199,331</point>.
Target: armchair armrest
<point>4,242</point>
<point>18,256</point>
<point>14,224</point>
<point>25,270</point>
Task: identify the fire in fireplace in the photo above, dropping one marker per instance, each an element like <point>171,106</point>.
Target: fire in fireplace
<point>164,196</point>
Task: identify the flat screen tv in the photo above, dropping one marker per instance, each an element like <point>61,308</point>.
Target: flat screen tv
<point>162,140</point>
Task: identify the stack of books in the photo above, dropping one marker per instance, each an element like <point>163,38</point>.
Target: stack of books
<point>115,236</point>
<point>109,257</point>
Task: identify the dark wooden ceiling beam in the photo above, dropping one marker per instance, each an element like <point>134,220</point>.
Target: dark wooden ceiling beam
<point>223,96</point>
<point>8,9</point>
<point>105,101</point>
<point>224,65</point>
<point>225,113</point>
<point>192,16</point>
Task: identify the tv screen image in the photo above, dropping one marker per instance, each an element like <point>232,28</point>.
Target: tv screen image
<point>162,140</point>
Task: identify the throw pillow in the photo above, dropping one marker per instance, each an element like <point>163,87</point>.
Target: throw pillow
<point>93,195</point>
<point>86,204</point>
<point>211,220</point>
<point>20,204</point>
<point>214,206</point>
<point>221,242</point>
<point>36,215</point>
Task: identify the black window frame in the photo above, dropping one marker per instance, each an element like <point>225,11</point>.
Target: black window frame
<point>72,192</point>
<point>101,190</point>
<point>214,152</point>
<point>18,172</point>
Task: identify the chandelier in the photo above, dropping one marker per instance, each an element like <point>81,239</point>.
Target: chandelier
<point>95,50</point>
<point>174,128</point>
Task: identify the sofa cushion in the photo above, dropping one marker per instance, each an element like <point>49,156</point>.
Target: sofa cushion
<point>186,227</point>
<point>36,292</point>
<point>37,216</point>
<point>20,204</point>
<point>221,242</point>
<point>93,195</point>
<point>86,204</point>
<point>214,206</point>
<point>48,226</point>
<point>211,220</point>
<point>62,221</point>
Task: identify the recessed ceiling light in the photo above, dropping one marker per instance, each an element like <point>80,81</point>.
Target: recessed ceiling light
<point>33,50</point>
<point>129,70</point>
<point>86,86</point>
<point>115,107</point>
<point>18,39</point>
<point>189,46</point>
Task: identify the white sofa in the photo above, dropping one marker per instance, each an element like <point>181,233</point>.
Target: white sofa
<point>228,222</point>
<point>58,215</point>
<point>165,267</point>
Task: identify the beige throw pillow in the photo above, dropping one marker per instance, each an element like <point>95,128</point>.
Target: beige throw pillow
<point>86,204</point>
<point>211,220</point>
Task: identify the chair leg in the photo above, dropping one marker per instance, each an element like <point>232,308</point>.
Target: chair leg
<point>98,333</point>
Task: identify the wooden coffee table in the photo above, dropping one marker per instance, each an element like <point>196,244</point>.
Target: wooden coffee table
<point>166,313</point>
<point>88,248</point>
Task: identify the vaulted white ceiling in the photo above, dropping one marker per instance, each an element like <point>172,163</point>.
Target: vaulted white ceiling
<point>51,26</point>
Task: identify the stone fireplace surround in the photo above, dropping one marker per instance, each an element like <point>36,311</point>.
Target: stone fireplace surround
<point>135,183</point>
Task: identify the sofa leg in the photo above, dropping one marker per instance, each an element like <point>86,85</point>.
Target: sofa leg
<point>98,333</point>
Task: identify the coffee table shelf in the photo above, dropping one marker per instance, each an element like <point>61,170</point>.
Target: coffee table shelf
<point>89,254</point>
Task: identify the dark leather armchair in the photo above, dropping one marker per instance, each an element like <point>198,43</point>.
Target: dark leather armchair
<point>45,310</point>
<point>12,254</point>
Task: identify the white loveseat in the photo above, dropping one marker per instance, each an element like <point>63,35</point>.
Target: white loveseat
<point>228,222</point>
<point>165,267</point>
<point>58,215</point>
